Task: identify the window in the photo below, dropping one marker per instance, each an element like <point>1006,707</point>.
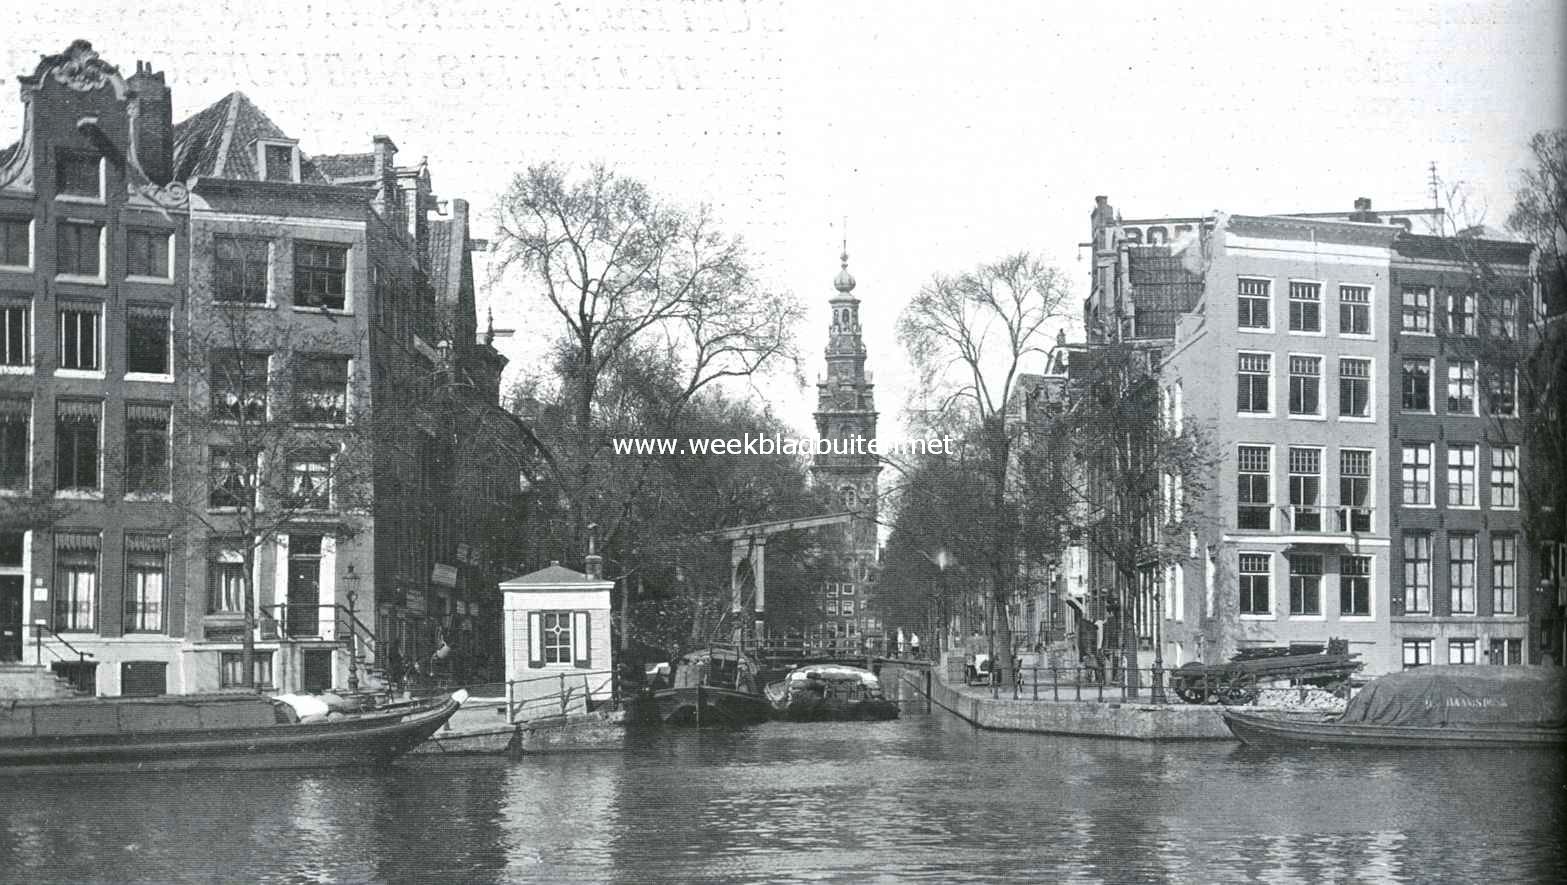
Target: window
<point>78,249</point>
<point>231,479</point>
<point>310,481</point>
<point>241,269</point>
<point>1255,376</point>
<point>1256,304</point>
<point>1354,310</point>
<point>556,627</point>
<point>147,254</point>
<point>146,449</point>
<point>1416,474</point>
<point>1417,573</point>
<point>278,160</point>
<point>76,581</point>
<point>225,579</point>
<point>16,415</point>
<point>320,392</point>
<point>16,334</point>
<point>846,606</point>
<point>1461,476</point>
<point>16,242</point>
<point>1354,586</point>
<point>1504,476</point>
<point>1306,489</point>
<point>1504,574</point>
<point>1305,385</point>
<point>1417,385</point>
<point>1305,307</point>
<point>1506,652</point>
<point>77,174</point>
<point>146,575</point>
<point>1354,490</point>
<point>1501,393</point>
<point>1305,585</point>
<point>1461,573</point>
<point>1461,313</point>
<point>233,665</point>
<point>1255,575</point>
<point>1354,387</point>
<point>1255,509</point>
<point>237,383</point>
<point>1503,322</point>
<point>80,341</point>
<point>320,275</point>
<point>76,445</point>
<point>147,339</point>
<point>1417,309</point>
<point>1417,653</point>
<point>1460,651</point>
<point>1461,387</point>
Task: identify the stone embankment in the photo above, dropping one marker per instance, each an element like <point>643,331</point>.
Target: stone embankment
<point>1127,719</point>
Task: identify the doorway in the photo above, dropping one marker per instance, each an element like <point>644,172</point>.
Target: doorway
<point>304,585</point>
<point>12,632</point>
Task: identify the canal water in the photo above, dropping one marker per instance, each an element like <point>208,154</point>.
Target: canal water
<point>926,798</point>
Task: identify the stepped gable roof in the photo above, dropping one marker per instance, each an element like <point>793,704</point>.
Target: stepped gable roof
<point>345,167</point>
<point>219,142</point>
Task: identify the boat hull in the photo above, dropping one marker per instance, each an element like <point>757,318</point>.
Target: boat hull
<point>835,710</point>
<point>1263,730</point>
<point>708,705</point>
<point>360,739</point>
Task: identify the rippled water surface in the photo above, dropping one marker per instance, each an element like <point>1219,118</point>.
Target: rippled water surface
<point>926,798</point>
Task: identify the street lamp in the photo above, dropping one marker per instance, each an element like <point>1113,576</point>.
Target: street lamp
<point>351,581</point>
<point>941,560</point>
<point>1157,695</point>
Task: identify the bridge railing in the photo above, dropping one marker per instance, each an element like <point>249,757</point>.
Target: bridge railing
<point>538,697</point>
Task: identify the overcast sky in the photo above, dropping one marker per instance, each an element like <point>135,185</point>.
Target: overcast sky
<point>947,133</point>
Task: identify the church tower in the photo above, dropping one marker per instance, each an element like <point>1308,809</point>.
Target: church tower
<point>846,421</point>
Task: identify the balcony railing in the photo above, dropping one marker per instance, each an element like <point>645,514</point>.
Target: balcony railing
<point>1342,519</point>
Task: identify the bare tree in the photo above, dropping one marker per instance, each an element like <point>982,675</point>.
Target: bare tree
<point>270,442</point>
<point>653,304</point>
<point>970,337</point>
<point>1124,475</point>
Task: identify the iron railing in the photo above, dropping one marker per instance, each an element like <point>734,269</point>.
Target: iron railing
<point>570,686</point>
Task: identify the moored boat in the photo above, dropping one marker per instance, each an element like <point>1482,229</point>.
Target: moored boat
<point>713,685</point>
<point>211,731</point>
<point>1450,706</point>
<point>830,692</point>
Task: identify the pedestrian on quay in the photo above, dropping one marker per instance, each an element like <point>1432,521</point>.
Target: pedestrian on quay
<point>914,645</point>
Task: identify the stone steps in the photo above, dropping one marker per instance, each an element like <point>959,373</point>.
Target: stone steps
<point>26,681</point>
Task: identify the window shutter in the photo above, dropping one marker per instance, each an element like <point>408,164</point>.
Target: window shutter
<point>535,640</point>
<point>581,651</point>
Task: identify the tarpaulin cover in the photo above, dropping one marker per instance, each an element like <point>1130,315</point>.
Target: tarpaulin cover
<point>1470,696</point>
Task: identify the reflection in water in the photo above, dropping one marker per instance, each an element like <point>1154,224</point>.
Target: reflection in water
<point>923,798</point>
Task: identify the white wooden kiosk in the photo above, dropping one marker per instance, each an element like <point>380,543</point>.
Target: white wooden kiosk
<point>558,648</point>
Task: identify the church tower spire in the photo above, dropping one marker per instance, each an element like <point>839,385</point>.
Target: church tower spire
<point>846,425</point>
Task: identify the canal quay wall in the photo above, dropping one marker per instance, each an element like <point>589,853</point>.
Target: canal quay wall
<point>1108,719</point>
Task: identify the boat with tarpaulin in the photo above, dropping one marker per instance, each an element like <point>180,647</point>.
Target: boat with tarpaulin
<point>214,731</point>
<point>830,692</point>
<point>1443,706</point>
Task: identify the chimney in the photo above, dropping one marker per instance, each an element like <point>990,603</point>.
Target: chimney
<point>1363,211</point>
<point>593,563</point>
<point>1102,217</point>
<point>152,142</point>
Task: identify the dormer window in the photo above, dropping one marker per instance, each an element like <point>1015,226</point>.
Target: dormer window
<point>278,161</point>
